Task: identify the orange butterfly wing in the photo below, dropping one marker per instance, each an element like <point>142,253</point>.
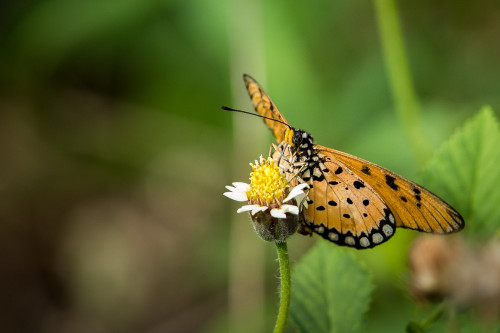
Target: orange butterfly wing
<point>265,107</point>
<point>413,206</point>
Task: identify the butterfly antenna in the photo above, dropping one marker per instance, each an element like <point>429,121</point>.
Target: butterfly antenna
<point>282,153</point>
<point>254,114</point>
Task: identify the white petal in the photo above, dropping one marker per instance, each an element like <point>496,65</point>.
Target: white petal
<point>301,186</point>
<point>302,199</point>
<point>290,209</point>
<point>278,213</point>
<point>241,186</point>
<point>246,208</point>
<point>230,188</point>
<point>297,190</point>
<point>237,196</point>
<point>259,209</point>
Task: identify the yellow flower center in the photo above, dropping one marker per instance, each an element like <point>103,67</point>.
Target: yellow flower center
<point>267,183</point>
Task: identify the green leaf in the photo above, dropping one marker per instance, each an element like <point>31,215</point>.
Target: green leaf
<point>330,291</point>
<point>466,173</point>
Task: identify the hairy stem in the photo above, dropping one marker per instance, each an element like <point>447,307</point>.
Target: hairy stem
<point>282,249</point>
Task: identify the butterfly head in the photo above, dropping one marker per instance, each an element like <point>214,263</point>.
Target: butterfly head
<point>299,140</point>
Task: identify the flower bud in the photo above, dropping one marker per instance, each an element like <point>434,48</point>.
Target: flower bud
<point>273,229</point>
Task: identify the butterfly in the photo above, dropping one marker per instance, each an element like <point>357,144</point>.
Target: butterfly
<point>351,201</point>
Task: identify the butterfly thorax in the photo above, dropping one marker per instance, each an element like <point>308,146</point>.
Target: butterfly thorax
<point>302,145</point>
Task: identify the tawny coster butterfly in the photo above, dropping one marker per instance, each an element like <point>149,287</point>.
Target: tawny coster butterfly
<point>351,201</point>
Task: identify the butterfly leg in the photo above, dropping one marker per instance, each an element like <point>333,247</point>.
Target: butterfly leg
<point>304,229</point>
<point>300,167</point>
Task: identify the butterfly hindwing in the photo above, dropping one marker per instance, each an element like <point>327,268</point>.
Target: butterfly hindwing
<point>265,107</point>
<point>345,210</point>
<point>413,206</point>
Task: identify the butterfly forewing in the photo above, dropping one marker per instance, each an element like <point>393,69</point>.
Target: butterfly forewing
<point>265,107</point>
<point>413,206</point>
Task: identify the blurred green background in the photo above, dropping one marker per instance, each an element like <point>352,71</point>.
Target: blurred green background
<point>114,152</point>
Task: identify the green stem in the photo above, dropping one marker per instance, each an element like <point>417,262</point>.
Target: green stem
<point>424,325</point>
<point>400,78</point>
<point>282,249</point>
<point>433,317</point>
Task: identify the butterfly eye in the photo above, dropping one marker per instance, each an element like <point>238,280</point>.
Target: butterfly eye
<point>297,137</point>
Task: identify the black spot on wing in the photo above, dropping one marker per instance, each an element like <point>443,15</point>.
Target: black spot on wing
<point>347,216</point>
<point>333,182</point>
<point>366,202</point>
<point>365,169</point>
<point>389,180</point>
<point>338,171</point>
<point>332,203</point>
<point>403,198</point>
<point>320,208</point>
<point>357,184</point>
<point>319,179</point>
<point>349,201</point>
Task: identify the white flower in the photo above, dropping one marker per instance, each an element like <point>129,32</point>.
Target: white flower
<point>273,205</point>
<point>267,185</point>
<point>238,191</point>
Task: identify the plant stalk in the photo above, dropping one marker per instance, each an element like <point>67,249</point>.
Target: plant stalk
<point>285,289</point>
<point>400,79</point>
